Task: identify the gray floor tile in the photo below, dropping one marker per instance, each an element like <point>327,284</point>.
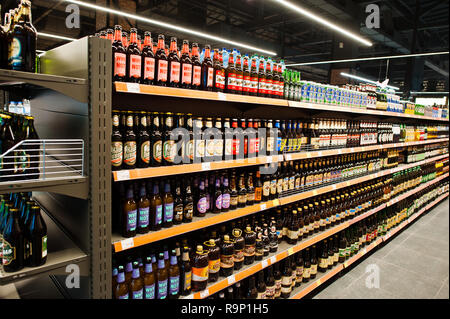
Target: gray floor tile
<point>443,293</point>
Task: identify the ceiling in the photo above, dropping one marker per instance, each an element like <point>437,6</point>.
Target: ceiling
<point>406,26</point>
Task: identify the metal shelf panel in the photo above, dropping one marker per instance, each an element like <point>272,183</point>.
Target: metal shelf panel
<point>76,88</point>
<point>61,252</point>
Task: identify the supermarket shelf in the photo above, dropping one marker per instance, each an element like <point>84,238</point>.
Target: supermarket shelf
<point>304,290</point>
<point>75,88</point>
<point>72,186</point>
<point>286,250</point>
<point>356,110</point>
<point>134,88</point>
<point>120,243</point>
<point>330,188</point>
<point>140,173</point>
<point>61,252</point>
<point>123,87</point>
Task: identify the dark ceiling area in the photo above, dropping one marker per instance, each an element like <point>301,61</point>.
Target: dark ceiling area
<point>407,26</point>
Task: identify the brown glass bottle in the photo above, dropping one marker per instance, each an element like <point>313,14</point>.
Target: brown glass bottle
<point>207,71</point>
<point>213,260</point>
<point>136,286</point>
<point>219,73</point>
<point>134,59</point>
<point>149,280</point>
<point>116,144</point>
<point>239,246</point>
<point>306,265</point>
<point>121,289</point>
<point>196,68</point>
<point>200,269</point>
<point>250,246</point>
<point>119,56</point>
<point>174,277</point>
<point>129,148</point>
<point>162,278</point>
<point>174,64</point>
<point>148,61</point>
<point>239,76</point>
<point>156,208</point>
<point>129,215</point>
<point>162,64</point>
<point>226,257</point>
<point>185,273</point>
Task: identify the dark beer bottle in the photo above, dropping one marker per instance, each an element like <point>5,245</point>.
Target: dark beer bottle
<point>161,63</point>
<point>119,56</point>
<point>162,277</point>
<point>143,211</point>
<point>226,257</point>
<point>169,147</point>
<point>13,243</point>
<point>121,289</point>
<point>116,144</point>
<point>219,72</point>
<point>174,64</point>
<point>262,89</point>
<point>213,260</point>
<point>134,59</point>
<point>149,280</point>
<point>207,70</point>
<point>129,148</point>
<point>168,203</point>
<point>247,81</point>
<point>242,195</point>
<point>252,292</point>
<point>186,66</point>
<point>253,77</point>
<point>148,61</point>
<point>156,208</point>
<point>230,79</point>
<point>156,142</point>
<point>306,266</point>
<point>261,287</point>
<point>143,149</point>
<point>178,204</point>
<point>196,68</point>
<point>188,209</point>
<point>250,246</point>
<point>217,199</point>
<point>201,201</point>
<point>239,246</point>
<point>239,76</point>
<point>286,279</point>
<point>136,286</point>
<point>200,269</point>
<point>129,214</point>
<point>278,279</point>
<point>313,262</point>
<point>36,235</point>
<point>185,273</point>
<point>174,276</point>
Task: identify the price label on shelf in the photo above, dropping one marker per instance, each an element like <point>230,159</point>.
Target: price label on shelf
<point>363,149</point>
<point>308,155</point>
<point>319,282</point>
<point>221,96</point>
<point>263,207</point>
<point>269,159</point>
<point>127,243</point>
<point>314,192</point>
<point>204,293</point>
<point>346,264</point>
<point>133,88</point>
<point>122,175</point>
<point>264,263</point>
<point>273,260</point>
<point>347,183</point>
<point>191,296</point>
<point>206,166</point>
<point>319,153</point>
<point>289,157</point>
<point>276,202</point>
<point>334,186</point>
<point>290,251</point>
<point>231,279</point>
<point>339,152</point>
<point>352,150</point>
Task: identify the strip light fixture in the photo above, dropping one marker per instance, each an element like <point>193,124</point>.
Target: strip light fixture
<point>170,26</point>
<point>54,36</point>
<point>371,58</point>
<point>429,93</point>
<point>324,22</point>
<point>366,80</point>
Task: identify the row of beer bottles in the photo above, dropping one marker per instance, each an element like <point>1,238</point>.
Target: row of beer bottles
<point>18,39</point>
<point>23,231</point>
<point>155,66</point>
<point>23,163</point>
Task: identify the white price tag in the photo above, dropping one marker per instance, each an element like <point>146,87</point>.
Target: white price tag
<point>273,260</point>
<point>339,151</point>
<point>127,243</point>
<point>290,251</point>
<point>122,175</point>
<point>231,279</point>
<point>204,293</point>
<point>269,159</point>
<point>191,296</point>
<point>320,153</point>
<point>133,88</point>
<point>334,187</point>
<point>206,166</point>
<point>264,263</point>
<point>222,97</point>
<point>289,157</point>
<point>263,207</point>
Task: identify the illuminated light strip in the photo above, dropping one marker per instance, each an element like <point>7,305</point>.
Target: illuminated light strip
<point>54,36</point>
<point>366,80</point>
<point>324,22</point>
<point>370,58</point>
<point>420,93</point>
<point>169,26</point>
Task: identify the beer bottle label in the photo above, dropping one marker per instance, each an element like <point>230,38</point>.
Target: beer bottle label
<point>168,150</point>
<point>116,154</point>
<point>234,201</point>
<point>242,199</point>
<point>162,289</point>
<point>270,292</point>
<point>129,152</point>
<point>238,256</point>
<point>174,285</point>
<point>188,211</point>
<point>143,217</point>
<point>145,152</point>
<point>219,80</point>
<point>250,197</point>
<point>168,212</point>
<point>285,184</point>
<point>228,147</point>
<point>226,261</point>
<point>187,280</point>
<point>202,205</point>
<point>247,84</point>
<point>186,77</point>
<point>231,83</point>
<point>162,70</point>
<point>269,86</point>
<point>200,148</point>
<point>313,269</point>
<point>149,69</point>
<point>197,75</point>
<point>149,292</point>
<point>219,202</point>
<point>262,86</point>
<point>135,66</point>
<point>190,149</point>
<point>9,253</point>
<point>174,72</point>
<point>249,250</point>
<point>131,220</point>
<point>178,213</point>
<point>210,147</point>
<point>258,194</point>
<point>273,187</point>
<point>137,294</point>
<point>270,144</point>
<point>200,274</point>
<point>210,78</point>
<point>261,295</point>
<point>159,215</point>
<point>239,82</point>
<point>236,146</point>
<point>120,64</point>
<point>280,186</point>
<point>44,246</point>
<point>277,287</point>
<point>252,145</point>
<point>214,266</point>
<point>225,201</point>
<point>218,148</point>
<point>254,85</point>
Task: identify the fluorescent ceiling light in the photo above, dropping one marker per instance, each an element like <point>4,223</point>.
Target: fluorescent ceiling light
<point>434,93</point>
<point>371,58</point>
<point>54,36</point>
<point>324,22</point>
<point>170,26</point>
<point>367,80</point>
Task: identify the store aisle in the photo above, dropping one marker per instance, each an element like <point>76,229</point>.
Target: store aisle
<point>415,264</point>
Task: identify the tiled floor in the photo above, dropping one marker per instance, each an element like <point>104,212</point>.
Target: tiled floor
<point>415,264</point>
